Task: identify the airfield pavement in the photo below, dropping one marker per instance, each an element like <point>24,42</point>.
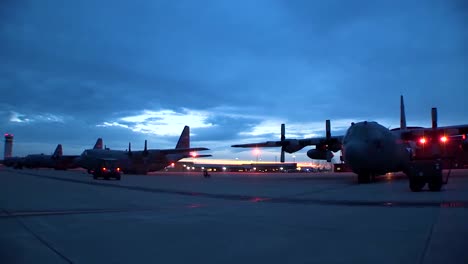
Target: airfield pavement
<point>52,216</point>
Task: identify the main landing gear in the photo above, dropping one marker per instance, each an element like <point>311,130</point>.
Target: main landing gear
<point>426,171</point>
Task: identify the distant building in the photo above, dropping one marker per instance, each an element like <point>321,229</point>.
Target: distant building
<point>231,167</point>
<point>8,152</point>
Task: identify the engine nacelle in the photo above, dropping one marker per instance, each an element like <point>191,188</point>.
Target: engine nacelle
<point>292,146</point>
<point>320,154</point>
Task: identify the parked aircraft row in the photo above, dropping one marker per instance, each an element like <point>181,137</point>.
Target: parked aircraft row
<point>128,161</point>
<point>367,147</point>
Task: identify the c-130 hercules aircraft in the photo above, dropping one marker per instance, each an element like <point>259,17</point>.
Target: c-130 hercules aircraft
<point>371,149</point>
<point>140,162</point>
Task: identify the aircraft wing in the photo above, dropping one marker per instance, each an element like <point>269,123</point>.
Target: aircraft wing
<point>413,134</point>
<point>301,142</point>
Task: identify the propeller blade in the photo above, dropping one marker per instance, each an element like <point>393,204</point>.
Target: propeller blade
<point>327,129</point>
<point>145,150</point>
<point>129,148</point>
<point>283,132</point>
<point>283,138</point>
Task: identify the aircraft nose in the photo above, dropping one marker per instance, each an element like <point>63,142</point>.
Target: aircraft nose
<point>355,153</point>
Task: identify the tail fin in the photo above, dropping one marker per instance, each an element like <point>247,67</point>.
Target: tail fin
<point>98,144</point>
<point>184,140</point>
<point>402,114</point>
<point>58,151</point>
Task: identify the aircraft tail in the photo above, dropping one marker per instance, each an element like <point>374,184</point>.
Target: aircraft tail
<point>98,144</point>
<point>58,151</point>
<point>402,114</point>
<point>184,140</point>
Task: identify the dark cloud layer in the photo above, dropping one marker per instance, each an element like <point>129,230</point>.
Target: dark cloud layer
<point>68,67</point>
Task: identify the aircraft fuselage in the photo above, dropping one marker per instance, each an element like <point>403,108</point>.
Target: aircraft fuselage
<point>135,162</point>
<point>371,149</point>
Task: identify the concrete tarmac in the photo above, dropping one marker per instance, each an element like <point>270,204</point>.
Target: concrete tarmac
<point>52,216</point>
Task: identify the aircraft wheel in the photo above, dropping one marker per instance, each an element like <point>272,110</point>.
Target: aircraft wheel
<point>364,178</point>
<point>435,184</point>
<point>416,184</point>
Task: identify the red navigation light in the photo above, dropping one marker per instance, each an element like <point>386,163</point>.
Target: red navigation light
<point>464,136</point>
<point>118,169</point>
<point>193,154</point>
<point>422,140</point>
<point>103,168</point>
<point>172,164</point>
<point>443,139</point>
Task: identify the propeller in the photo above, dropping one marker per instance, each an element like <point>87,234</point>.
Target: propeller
<point>283,138</point>
<point>129,148</point>
<point>145,151</point>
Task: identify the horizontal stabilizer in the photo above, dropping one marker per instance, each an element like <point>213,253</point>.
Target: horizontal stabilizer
<point>181,150</point>
<point>204,156</point>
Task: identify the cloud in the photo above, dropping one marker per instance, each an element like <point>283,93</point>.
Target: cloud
<point>232,70</point>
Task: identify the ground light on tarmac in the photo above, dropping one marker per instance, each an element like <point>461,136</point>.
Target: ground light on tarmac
<point>52,216</point>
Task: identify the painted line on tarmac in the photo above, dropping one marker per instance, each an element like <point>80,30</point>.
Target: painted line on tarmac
<point>279,200</point>
<point>32,213</point>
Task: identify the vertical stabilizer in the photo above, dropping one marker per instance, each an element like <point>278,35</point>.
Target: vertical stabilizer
<point>58,151</point>
<point>184,140</point>
<point>402,114</point>
<point>98,144</point>
<point>434,117</point>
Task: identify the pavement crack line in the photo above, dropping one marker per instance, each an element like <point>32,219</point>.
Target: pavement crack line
<point>428,241</point>
<point>38,237</point>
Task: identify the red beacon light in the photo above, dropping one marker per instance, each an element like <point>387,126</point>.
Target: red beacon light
<point>423,140</point>
<point>103,168</point>
<point>443,139</point>
<point>118,169</point>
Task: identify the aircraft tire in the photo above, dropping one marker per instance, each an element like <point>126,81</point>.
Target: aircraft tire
<point>364,178</point>
<point>435,184</point>
<point>416,184</point>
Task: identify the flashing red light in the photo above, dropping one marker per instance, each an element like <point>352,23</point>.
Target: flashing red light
<point>172,164</point>
<point>118,169</point>
<point>464,136</point>
<point>422,140</point>
<point>103,168</point>
<point>193,154</point>
<point>443,139</point>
